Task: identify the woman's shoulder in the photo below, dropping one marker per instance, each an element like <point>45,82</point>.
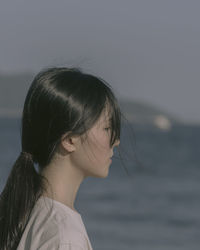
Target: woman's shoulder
<point>52,224</point>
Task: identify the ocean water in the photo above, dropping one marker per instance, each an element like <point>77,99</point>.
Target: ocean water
<point>156,206</point>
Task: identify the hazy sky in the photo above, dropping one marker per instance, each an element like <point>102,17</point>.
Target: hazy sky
<point>146,49</point>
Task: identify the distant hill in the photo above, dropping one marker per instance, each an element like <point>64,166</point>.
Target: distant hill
<point>13,90</point>
<point>144,113</point>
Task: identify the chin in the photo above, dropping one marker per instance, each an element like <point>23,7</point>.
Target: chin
<point>98,172</point>
<point>102,174</point>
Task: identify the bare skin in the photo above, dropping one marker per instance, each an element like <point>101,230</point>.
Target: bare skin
<point>74,161</point>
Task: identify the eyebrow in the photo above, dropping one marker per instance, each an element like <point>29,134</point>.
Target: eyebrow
<point>108,120</point>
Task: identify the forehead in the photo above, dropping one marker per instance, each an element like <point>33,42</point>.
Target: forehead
<point>104,120</point>
<point>105,116</point>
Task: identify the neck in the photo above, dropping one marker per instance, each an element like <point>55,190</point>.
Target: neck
<point>63,182</point>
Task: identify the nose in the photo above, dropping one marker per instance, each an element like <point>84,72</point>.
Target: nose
<point>117,143</point>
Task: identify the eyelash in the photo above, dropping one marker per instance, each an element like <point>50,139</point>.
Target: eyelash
<point>107,128</point>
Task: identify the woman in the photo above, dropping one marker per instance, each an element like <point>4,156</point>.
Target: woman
<point>71,123</point>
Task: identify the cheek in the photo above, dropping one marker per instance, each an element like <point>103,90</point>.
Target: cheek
<point>93,156</point>
<point>92,160</point>
<point>86,156</point>
<point>99,146</point>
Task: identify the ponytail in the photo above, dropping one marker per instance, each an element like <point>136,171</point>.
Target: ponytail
<point>22,190</point>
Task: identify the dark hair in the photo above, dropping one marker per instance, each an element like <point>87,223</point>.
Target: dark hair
<point>59,100</point>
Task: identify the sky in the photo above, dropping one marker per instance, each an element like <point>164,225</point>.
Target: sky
<point>148,50</point>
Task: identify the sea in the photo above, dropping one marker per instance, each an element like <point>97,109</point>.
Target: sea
<point>150,199</point>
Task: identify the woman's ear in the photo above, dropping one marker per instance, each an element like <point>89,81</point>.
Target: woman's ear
<point>70,143</point>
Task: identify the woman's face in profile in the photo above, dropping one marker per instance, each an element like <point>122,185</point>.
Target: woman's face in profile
<point>94,155</point>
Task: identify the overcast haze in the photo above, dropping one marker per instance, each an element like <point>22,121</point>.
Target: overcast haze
<point>147,50</point>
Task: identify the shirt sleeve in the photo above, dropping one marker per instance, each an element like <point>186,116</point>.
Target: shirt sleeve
<point>71,246</point>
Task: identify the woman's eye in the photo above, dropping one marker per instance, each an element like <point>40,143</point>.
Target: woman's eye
<point>107,128</point>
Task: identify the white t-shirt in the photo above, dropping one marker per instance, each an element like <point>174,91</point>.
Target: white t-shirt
<point>54,228</point>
